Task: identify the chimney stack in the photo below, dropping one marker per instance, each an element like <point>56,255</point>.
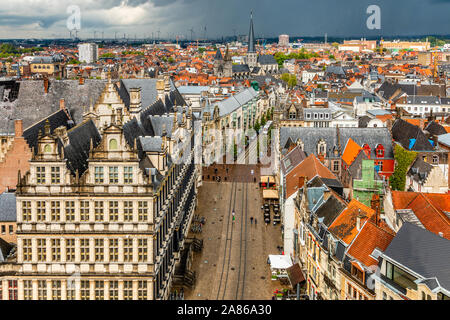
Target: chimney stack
<point>61,104</point>
<point>18,128</point>
<point>81,81</point>
<point>358,222</point>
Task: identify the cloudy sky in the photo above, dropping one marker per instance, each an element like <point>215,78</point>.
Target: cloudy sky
<point>48,18</point>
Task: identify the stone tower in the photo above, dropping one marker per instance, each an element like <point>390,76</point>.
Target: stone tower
<point>252,55</point>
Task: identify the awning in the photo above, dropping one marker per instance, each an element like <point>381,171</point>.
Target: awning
<point>270,194</point>
<point>295,274</point>
<point>280,261</point>
<point>267,179</point>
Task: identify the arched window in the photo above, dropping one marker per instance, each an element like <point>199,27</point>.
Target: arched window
<point>435,159</point>
<point>113,144</point>
<point>321,147</point>
<point>47,148</point>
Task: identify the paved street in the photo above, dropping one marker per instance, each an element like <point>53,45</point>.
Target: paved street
<point>233,263</point>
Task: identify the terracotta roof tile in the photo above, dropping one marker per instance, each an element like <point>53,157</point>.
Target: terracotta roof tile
<point>351,151</point>
<point>344,227</point>
<point>370,237</point>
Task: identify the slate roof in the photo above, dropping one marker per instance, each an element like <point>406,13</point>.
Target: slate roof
<point>57,119</point>
<point>33,103</point>
<point>218,55</point>
<point>8,207</point>
<point>435,128</point>
<point>403,132</point>
<point>77,150</point>
<point>240,68</point>
<point>330,209</point>
<point>419,170</point>
<point>234,102</point>
<point>388,89</point>
<point>311,137</point>
<point>421,251</point>
<point>267,59</point>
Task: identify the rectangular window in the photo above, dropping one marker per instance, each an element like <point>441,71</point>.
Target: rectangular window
<point>41,250</point>
<point>56,210</point>
<point>42,290</point>
<point>127,290</point>
<point>128,211</point>
<point>98,210</point>
<point>113,211</point>
<point>85,290</point>
<point>98,174</point>
<point>70,250</point>
<point>27,250</point>
<point>128,250</point>
<point>56,250</point>
<point>26,210</point>
<point>336,166</point>
<point>27,290</point>
<point>70,289</point>
<point>56,289</point>
<point>128,175</point>
<point>40,175</point>
<point>99,290</point>
<point>113,250</point>
<point>40,210</point>
<point>142,250</point>
<point>70,210</point>
<point>55,175</point>
<point>114,290</point>
<point>142,210</point>
<point>114,175</point>
<point>12,289</point>
<point>142,290</point>
<point>84,210</point>
<point>99,250</point>
<point>84,250</point>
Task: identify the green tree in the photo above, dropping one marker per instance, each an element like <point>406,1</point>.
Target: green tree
<point>403,160</point>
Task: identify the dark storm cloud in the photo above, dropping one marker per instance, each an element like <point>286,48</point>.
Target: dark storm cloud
<point>228,17</point>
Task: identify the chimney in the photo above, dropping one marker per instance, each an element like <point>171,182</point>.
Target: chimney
<point>358,221</point>
<point>61,104</point>
<point>160,88</point>
<point>18,128</point>
<point>81,81</point>
<point>45,84</point>
<point>301,182</point>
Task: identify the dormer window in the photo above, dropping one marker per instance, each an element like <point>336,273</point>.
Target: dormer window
<point>321,147</point>
<point>380,151</point>
<point>113,144</point>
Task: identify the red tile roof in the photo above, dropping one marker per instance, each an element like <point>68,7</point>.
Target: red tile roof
<point>370,237</point>
<point>344,226</point>
<point>429,208</point>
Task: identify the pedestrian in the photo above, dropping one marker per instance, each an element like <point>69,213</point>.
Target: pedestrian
<point>233,216</point>
<point>251,220</point>
<point>255,222</point>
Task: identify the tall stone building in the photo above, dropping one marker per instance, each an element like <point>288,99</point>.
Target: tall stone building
<point>223,66</point>
<point>105,207</point>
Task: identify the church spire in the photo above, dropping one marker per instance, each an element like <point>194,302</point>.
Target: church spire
<point>251,35</point>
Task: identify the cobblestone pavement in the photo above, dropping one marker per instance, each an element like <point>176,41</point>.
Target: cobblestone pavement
<point>233,262</point>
